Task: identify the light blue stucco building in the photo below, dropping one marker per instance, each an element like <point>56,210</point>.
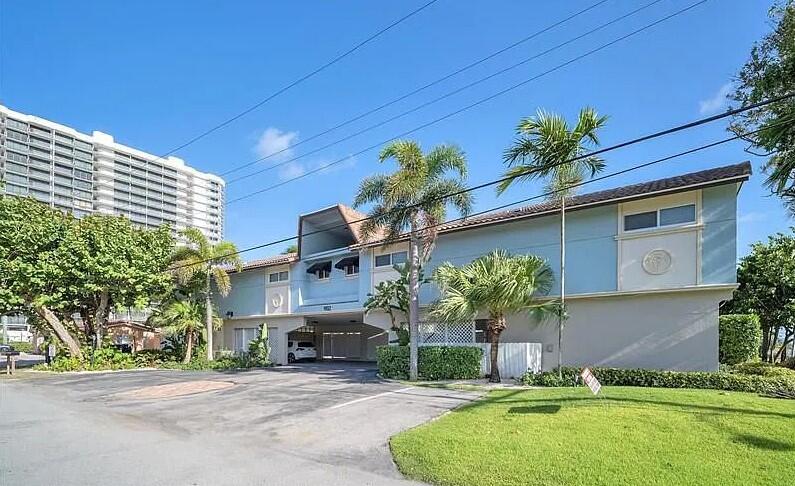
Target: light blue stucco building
<point>647,268</point>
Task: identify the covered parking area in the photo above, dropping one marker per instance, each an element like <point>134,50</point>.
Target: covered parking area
<point>338,337</point>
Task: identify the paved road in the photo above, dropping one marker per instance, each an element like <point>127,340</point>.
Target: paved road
<point>308,424</point>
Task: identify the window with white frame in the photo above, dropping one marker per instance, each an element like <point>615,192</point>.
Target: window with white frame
<point>276,277</point>
<point>672,216</point>
<point>323,274</point>
<point>243,336</point>
<point>390,259</point>
<point>351,270</point>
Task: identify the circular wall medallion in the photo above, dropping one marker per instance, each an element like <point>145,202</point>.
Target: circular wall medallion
<point>657,262</point>
<point>277,300</point>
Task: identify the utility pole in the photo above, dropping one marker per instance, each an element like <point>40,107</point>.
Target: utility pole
<point>5,328</point>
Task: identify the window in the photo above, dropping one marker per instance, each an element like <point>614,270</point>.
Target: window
<point>243,336</point>
<point>640,221</point>
<point>663,217</point>
<point>390,259</point>
<point>678,215</point>
<point>16,168</point>
<point>323,274</point>
<point>351,269</point>
<point>278,277</point>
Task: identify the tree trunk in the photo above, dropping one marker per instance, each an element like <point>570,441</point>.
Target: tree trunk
<point>562,310</point>
<point>496,326</point>
<point>188,347</point>
<point>52,320</point>
<point>414,306</point>
<point>101,317</point>
<point>209,319</point>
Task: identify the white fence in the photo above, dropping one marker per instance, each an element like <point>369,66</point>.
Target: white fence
<point>513,359</point>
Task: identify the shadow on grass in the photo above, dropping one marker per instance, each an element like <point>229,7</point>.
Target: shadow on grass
<point>510,398</point>
<point>549,409</point>
<point>763,442</point>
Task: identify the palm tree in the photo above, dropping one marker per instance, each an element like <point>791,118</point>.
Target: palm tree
<point>180,318</point>
<point>203,264</point>
<point>547,148</point>
<point>496,283</point>
<point>415,199</point>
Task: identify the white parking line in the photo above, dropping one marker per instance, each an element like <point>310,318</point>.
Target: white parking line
<point>371,397</point>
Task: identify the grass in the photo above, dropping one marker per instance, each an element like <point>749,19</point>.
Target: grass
<point>565,436</point>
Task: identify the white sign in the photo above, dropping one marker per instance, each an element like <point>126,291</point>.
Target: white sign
<point>591,381</point>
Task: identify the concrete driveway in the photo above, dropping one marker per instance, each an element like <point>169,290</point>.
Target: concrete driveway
<point>296,425</point>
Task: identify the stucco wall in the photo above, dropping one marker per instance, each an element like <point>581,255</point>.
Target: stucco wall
<point>719,240</point>
<point>673,330</point>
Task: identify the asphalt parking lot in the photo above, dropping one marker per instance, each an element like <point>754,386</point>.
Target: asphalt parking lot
<point>307,424</point>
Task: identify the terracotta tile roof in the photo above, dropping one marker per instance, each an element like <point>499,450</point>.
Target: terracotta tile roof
<point>737,172</point>
<point>269,261</point>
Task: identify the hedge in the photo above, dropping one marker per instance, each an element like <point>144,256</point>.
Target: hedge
<point>719,380</point>
<point>739,338</point>
<point>435,362</point>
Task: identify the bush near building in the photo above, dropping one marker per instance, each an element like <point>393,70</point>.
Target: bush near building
<point>435,362</point>
<point>739,338</point>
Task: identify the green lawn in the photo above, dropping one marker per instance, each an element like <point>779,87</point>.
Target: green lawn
<point>630,436</point>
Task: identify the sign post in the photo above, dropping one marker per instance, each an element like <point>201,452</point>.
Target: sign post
<point>590,381</point>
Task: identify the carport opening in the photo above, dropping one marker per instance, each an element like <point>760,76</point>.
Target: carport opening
<point>335,338</point>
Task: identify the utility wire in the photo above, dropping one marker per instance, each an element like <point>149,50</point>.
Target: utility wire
<point>418,90</point>
<point>589,154</point>
<point>301,79</point>
<point>468,107</point>
<point>442,97</point>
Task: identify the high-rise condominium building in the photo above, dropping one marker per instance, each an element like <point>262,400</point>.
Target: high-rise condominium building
<point>86,174</point>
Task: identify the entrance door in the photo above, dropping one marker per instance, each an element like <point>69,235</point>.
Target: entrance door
<point>273,343</point>
<point>342,345</point>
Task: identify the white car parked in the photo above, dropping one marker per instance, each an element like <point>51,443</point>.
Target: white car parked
<point>297,350</point>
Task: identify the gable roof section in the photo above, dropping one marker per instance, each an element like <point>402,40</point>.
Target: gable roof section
<point>685,182</point>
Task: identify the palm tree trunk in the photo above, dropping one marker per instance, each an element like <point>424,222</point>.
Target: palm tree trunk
<point>60,330</point>
<point>562,283</point>
<point>496,327</point>
<point>208,309</point>
<point>188,347</point>
<point>414,306</point>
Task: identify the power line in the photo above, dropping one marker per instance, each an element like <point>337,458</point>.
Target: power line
<point>589,154</point>
<point>301,79</point>
<point>440,98</point>
<point>420,89</point>
<point>470,106</point>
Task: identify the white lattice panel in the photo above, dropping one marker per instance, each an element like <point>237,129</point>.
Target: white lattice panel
<point>432,333</point>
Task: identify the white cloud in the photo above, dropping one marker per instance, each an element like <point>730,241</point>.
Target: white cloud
<point>275,144</point>
<point>717,102</point>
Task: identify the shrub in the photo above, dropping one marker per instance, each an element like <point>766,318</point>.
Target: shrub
<point>21,346</point>
<point>761,368</point>
<point>719,380</point>
<point>435,362</point>
<point>789,363</point>
<point>739,338</point>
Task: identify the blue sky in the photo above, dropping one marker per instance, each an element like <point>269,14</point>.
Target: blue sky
<point>155,74</point>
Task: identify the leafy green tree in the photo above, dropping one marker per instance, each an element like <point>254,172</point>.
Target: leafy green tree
<point>259,349</point>
<point>414,199</point>
<point>109,263</point>
<point>200,264</point>
<point>770,73</point>
<point>498,284</point>
<point>30,275</point>
<point>55,266</point>
<point>545,148</point>
<point>290,249</point>
<point>766,278</point>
